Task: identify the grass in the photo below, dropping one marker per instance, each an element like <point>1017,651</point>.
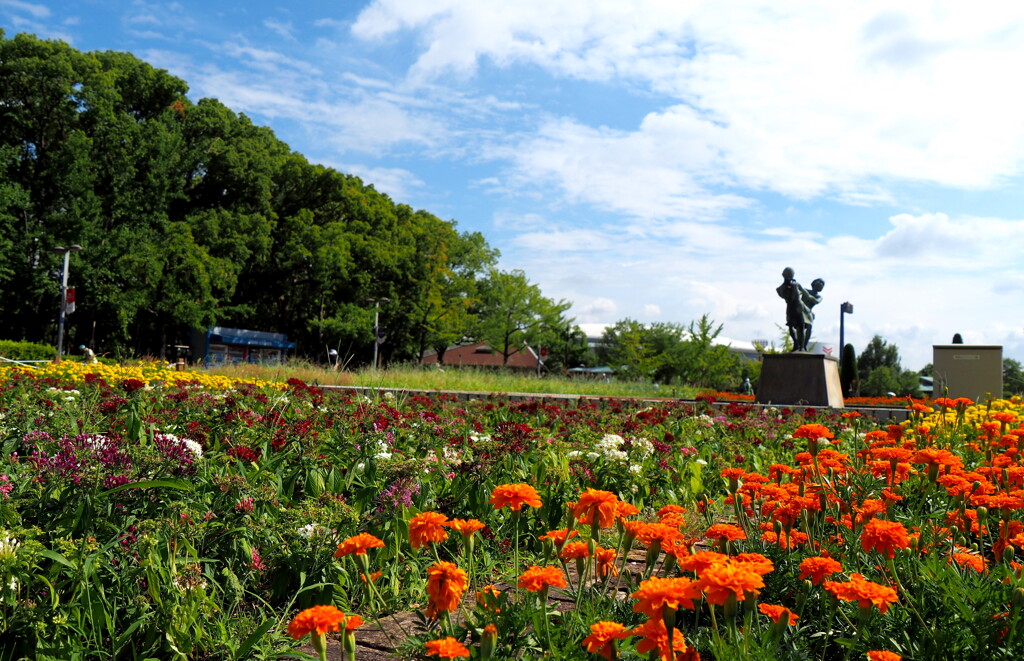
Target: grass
<point>450,378</point>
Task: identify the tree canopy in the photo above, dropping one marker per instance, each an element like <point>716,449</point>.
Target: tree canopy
<point>189,215</point>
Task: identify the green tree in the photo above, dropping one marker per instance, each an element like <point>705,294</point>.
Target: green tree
<point>878,353</point>
<point>628,347</point>
<point>704,363</point>
<point>1013,377</point>
<point>848,370</point>
<point>514,313</point>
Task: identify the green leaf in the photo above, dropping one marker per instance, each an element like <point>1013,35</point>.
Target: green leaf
<point>181,485</point>
<point>253,638</point>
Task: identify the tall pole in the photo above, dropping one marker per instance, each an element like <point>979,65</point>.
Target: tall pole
<point>843,310</point>
<point>376,325</point>
<point>376,331</point>
<point>63,296</point>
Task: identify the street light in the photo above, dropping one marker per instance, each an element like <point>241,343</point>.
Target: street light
<point>376,325</point>
<point>63,295</point>
<point>844,309</point>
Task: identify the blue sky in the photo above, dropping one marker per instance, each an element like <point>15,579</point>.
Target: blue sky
<point>656,160</point>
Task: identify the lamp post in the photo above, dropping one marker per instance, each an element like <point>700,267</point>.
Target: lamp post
<point>63,295</point>
<point>844,309</point>
<point>376,325</point>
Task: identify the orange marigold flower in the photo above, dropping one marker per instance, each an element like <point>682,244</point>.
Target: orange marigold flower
<point>865,593</point>
<point>358,545</point>
<point>446,583</point>
<point>656,638</point>
<point>537,578</point>
<point>596,502</point>
<point>487,597</point>
<point>316,620</point>
<point>605,559</point>
<point>975,562</point>
<point>574,550</point>
<point>812,431</point>
<point>701,560</point>
<point>671,509</point>
<point>725,531</point>
<point>886,537</point>
<point>447,648</point>
<point>466,527</point>
<point>755,562</point>
<point>514,496</point>
<point>656,593</point>
<point>732,473</point>
<point>624,509</point>
<point>883,655</point>
<point>558,537</point>
<point>602,637</point>
<point>818,568</point>
<point>721,581</point>
<point>776,612</point>
<point>353,621</point>
<point>373,577</point>
<point>427,528</point>
<point>649,533</point>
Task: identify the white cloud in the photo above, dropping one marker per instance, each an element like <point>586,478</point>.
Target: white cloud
<point>282,28</point>
<point>32,9</point>
<point>799,98</point>
<point>652,310</point>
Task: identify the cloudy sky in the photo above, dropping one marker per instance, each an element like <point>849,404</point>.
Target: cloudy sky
<point>655,159</point>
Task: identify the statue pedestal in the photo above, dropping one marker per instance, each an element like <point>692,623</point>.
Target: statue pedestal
<point>800,378</point>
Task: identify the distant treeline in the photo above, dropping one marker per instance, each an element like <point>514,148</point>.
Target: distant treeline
<point>189,215</point>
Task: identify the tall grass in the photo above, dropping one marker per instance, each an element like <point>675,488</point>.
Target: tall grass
<point>452,378</point>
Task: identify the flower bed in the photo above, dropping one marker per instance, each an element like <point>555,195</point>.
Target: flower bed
<point>149,513</point>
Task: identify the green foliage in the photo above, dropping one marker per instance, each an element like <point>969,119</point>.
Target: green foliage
<point>26,350</point>
<point>878,353</point>
<point>848,370</point>
<point>189,215</point>
<point>1013,377</point>
<point>672,353</point>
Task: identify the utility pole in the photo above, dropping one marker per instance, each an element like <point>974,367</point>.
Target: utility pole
<point>63,295</point>
<point>376,325</point>
<point>844,309</point>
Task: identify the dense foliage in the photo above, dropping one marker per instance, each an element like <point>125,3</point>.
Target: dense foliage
<point>150,513</point>
<point>189,215</point>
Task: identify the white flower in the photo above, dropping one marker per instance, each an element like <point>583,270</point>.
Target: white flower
<point>573,454</point>
<point>635,469</point>
<point>192,446</point>
<point>382,455</point>
<point>701,462</point>
<point>310,530</point>
<point>643,447</point>
<point>8,546</point>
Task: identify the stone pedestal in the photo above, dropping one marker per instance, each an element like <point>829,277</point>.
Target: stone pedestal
<point>800,378</point>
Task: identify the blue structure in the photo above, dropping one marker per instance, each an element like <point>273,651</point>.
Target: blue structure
<point>220,345</point>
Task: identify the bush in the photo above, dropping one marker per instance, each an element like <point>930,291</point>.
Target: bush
<point>26,350</point>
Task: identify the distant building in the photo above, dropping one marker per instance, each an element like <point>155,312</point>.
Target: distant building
<point>219,345</point>
<point>479,354</point>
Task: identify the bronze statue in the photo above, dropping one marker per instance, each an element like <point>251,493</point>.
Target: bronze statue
<point>799,301</point>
